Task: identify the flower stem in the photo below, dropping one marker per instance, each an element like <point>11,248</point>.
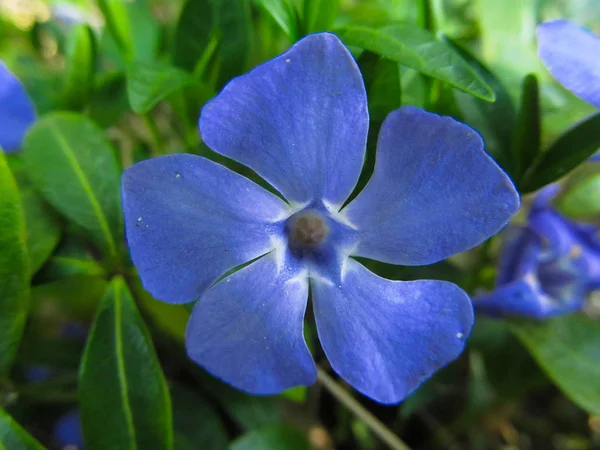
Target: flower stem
<point>155,133</point>
<point>378,428</point>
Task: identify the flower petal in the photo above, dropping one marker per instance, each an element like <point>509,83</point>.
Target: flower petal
<point>520,254</point>
<point>17,112</point>
<point>189,220</point>
<point>571,54</point>
<point>386,337</point>
<point>299,120</point>
<point>434,191</point>
<point>524,297</point>
<point>248,329</point>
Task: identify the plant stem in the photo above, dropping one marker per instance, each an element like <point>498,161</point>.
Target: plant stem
<point>155,133</point>
<point>378,428</point>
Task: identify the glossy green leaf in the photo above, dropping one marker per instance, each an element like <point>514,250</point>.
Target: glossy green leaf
<point>197,424</point>
<point>70,160</point>
<point>81,66</point>
<point>284,14</point>
<point>495,121</point>
<point>582,199</point>
<point>279,437</point>
<point>570,150</point>
<point>150,83</point>
<point>14,437</point>
<point>124,399</point>
<point>528,132</point>
<point>568,349</point>
<point>319,15</point>
<point>419,49</point>
<point>42,226</point>
<point>14,268</point>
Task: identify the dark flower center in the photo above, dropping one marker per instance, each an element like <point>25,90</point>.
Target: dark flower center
<point>307,230</point>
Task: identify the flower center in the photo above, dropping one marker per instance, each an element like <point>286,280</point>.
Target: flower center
<point>306,230</point>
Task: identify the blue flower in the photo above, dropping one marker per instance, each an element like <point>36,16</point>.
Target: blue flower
<point>547,267</point>
<point>571,55</point>
<point>300,121</point>
<point>17,112</point>
<point>67,432</point>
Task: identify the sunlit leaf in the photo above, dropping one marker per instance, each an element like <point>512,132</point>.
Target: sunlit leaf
<point>72,163</point>
<point>568,349</point>
<point>419,49</point>
<point>14,268</point>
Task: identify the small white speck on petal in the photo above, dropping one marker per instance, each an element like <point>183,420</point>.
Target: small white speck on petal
<point>287,60</point>
<point>177,175</point>
<point>140,219</point>
<point>460,335</point>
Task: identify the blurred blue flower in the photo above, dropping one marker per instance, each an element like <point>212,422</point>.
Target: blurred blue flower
<point>571,55</point>
<point>17,112</point>
<point>67,432</point>
<point>300,121</point>
<point>547,267</point>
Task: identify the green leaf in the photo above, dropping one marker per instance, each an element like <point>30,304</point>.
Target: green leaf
<point>570,150</point>
<point>284,14</point>
<point>150,83</point>
<point>495,121</point>
<point>419,49</point>
<point>235,37</point>
<point>319,15</point>
<point>72,163</point>
<point>204,22</point>
<point>14,268</point>
<point>385,94</point>
<point>109,99</point>
<point>568,349</point>
<point>81,66</point>
<point>197,424</point>
<point>132,28</point>
<point>279,437</point>
<point>43,228</point>
<point>581,200</point>
<point>528,135</point>
<point>123,393</point>
<point>193,32</point>
<point>248,411</point>
<point>13,437</point>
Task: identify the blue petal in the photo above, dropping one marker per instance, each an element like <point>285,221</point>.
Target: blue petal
<point>299,120</point>
<point>189,220</point>
<point>571,54</point>
<point>67,432</point>
<point>520,254</point>
<point>386,337</point>
<point>248,329</point>
<point>17,112</point>
<point>525,297</point>
<point>434,192</point>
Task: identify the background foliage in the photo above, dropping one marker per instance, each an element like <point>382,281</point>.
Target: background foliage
<point>118,81</point>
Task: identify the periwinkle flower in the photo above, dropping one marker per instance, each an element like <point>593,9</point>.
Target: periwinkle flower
<point>17,112</point>
<point>547,267</point>
<point>300,121</point>
<point>67,432</point>
<point>571,55</point>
